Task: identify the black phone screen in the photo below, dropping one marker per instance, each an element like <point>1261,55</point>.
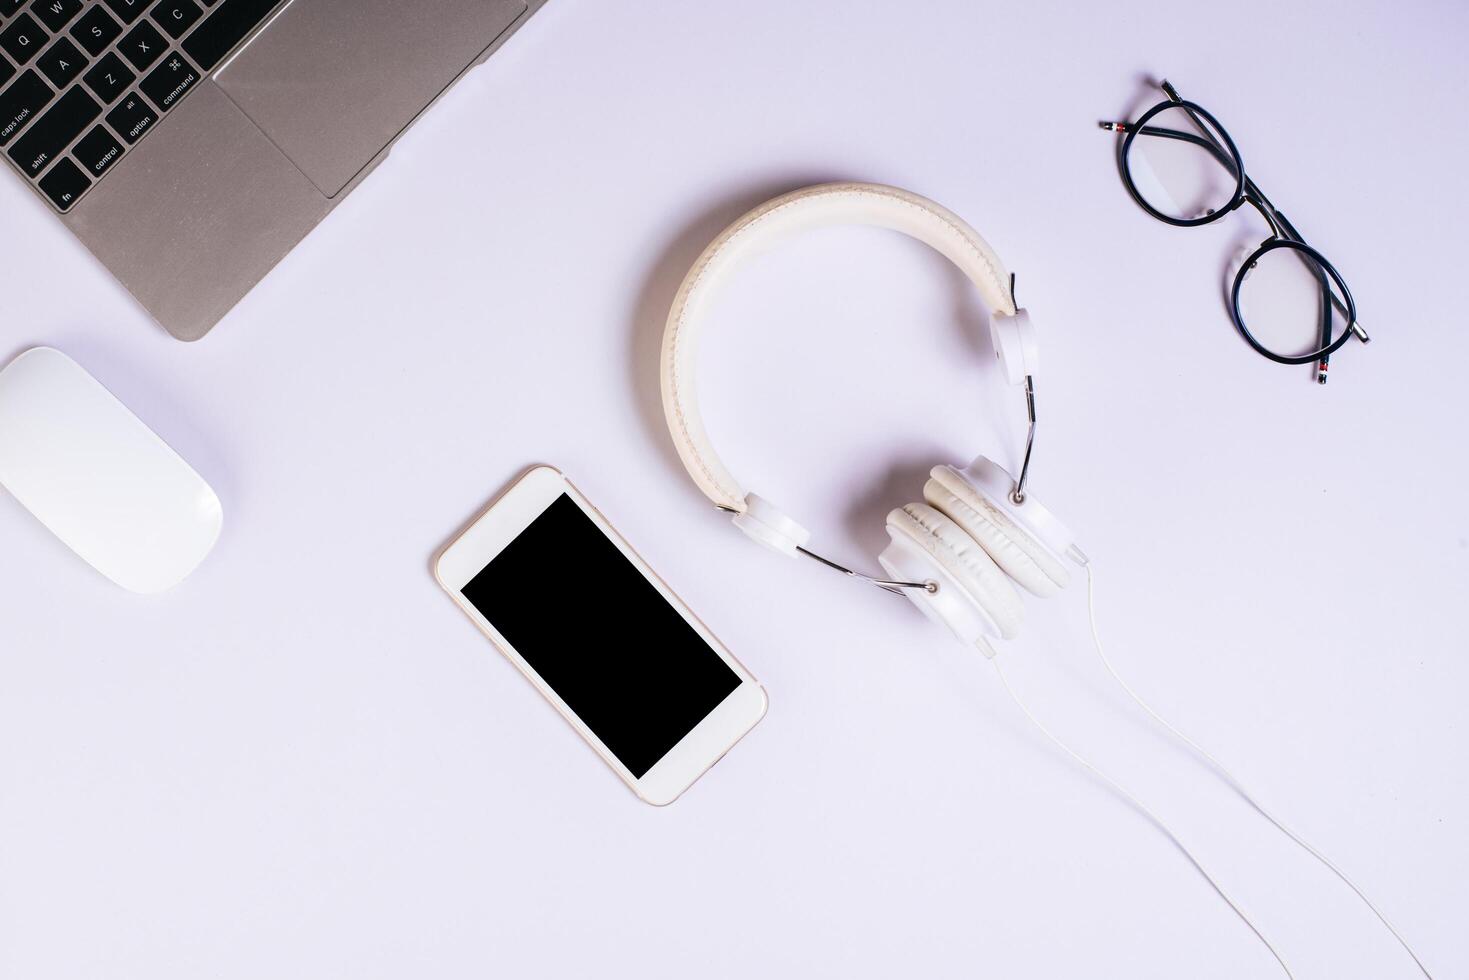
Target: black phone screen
<point>601,635</point>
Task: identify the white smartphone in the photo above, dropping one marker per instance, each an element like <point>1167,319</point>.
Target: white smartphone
<point>603,638</point>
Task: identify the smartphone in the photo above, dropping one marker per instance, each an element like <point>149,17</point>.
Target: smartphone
<point>600,635</point>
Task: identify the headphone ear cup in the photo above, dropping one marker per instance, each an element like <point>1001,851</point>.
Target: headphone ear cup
<point>965,565</point>
<point>1013,548</point>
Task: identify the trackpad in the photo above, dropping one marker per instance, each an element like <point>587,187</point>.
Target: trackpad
<point>333,83</point>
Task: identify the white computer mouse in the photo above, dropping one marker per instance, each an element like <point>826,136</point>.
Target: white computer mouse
<point>101,480</point>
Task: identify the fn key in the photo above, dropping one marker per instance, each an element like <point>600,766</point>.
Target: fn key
<point>64,184</point>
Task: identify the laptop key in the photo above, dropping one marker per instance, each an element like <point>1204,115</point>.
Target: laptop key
<point>8,7</point>
<point>225,28</point>
<point>20,103</point>
<point>7,71</point>
<point>132,118</point>
<point>95,31</point>
<point>56,14</point>
<point>62,62</point>
<point>109,78</point>
<point>176,16</point>
<point>143,46</point>
<point>50,135</point>
<point>23,39</point>
<point>64,184</point>
<point>97,151</point>
<point>128,10</point>
<point>169,82</point>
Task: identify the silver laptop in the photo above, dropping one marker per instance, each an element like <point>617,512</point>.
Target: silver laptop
<point>190,144</point>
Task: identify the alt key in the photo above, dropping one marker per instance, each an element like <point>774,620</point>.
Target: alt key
<point>132,118</point>
<point>64,184</point>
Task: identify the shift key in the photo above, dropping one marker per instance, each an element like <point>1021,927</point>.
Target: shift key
<point>50,135</point>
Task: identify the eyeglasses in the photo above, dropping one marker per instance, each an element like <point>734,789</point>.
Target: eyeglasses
<point>1288,302</point>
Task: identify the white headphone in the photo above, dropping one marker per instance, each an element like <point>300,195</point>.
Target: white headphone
<point>978,530</point>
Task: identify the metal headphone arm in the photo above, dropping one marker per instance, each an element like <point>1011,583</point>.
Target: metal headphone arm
<point>1017,495</point>
<point>887,585</point>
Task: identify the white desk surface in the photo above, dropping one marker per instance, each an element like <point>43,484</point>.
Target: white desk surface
<point>305,762</point>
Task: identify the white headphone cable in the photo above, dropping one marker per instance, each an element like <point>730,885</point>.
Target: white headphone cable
<point>1157,821</point>
<point>1231,779</point>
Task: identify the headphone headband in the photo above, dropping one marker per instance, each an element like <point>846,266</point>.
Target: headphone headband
<point>811,207</point>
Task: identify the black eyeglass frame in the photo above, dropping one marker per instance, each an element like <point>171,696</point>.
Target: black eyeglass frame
<point>1283,233</point>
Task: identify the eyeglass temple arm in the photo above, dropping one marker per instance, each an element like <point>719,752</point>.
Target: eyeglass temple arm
<point>1219,153</point>
<point>1208,141</point>
<point>1173,96</point>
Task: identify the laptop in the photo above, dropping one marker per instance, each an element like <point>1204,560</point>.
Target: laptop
<point>190,144</point>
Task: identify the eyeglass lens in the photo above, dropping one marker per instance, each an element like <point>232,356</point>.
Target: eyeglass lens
<point>1285,302</point>
<point>1178,169</point>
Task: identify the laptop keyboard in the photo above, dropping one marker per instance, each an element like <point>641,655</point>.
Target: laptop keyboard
<point>82,81</point>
